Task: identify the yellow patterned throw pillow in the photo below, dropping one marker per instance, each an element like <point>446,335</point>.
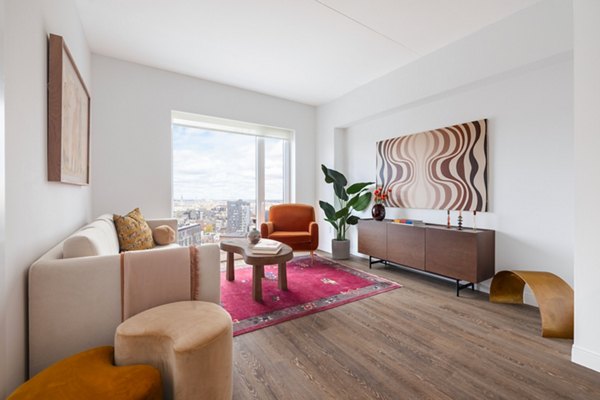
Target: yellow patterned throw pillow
<point>133,231</point>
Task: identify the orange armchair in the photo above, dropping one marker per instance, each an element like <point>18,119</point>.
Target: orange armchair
<point>294,225</point>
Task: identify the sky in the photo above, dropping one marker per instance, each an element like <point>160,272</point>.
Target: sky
<point>221,166</point>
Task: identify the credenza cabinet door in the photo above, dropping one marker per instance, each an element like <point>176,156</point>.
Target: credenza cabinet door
<point>452,253</point>
<point>406,245</point>
<point>372,238</point>
<point>465,255</point>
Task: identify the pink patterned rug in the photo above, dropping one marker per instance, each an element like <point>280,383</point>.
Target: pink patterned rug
<point>312,287</point>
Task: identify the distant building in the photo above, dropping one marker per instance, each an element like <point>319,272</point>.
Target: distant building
<point>190,235</point>
<point>238,217</point>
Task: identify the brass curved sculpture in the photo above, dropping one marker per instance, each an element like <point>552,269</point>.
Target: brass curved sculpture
<point>553,295</point>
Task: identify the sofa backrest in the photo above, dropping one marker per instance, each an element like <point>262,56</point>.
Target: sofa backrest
<point>98,238</point>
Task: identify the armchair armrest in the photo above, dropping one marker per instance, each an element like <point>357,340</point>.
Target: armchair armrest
<point>266,228</point>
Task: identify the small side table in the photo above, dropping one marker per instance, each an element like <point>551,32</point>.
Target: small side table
<point>258,262</point>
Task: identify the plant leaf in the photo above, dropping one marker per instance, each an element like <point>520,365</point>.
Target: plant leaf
<point>340,192</point>
<point>352,201</point>
<point>333,223</point>
<point>338,177</point>
<point>352,220</point>
<point>357,187</point>
<point>328,209</point>
<point>328,178</point>
<point>339,182</point>
<point>333,176</point>
<point>363,201</point>
<point>342,213</point>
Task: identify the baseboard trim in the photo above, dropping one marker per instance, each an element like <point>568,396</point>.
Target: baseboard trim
<point>528,297</point>
<point>587,358</point>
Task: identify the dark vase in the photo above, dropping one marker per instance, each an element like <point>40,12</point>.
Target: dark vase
<point>378,212</point>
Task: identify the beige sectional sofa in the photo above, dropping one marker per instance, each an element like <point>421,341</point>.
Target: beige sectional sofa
<point>75,290</point>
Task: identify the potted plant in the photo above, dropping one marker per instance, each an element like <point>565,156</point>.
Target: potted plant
<point>354,198</point>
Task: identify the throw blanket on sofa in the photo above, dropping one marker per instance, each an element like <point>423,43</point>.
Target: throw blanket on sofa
<point>150,279</point>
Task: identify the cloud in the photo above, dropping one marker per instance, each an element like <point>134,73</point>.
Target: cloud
<point>221,166</point>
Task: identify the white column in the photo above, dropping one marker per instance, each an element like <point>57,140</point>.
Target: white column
<point>586,346</point>
<point>3,289</point>
<point>260,181</point>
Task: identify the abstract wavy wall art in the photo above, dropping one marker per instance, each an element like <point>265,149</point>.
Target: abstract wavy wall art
<point>441,169</point>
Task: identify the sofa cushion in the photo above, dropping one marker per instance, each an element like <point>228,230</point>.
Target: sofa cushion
<point>133,231</point>
<point>98,238</point>
<point>80,244</point>
<point>110,242</point>
<point>290,237</point>
<point>163,235</point>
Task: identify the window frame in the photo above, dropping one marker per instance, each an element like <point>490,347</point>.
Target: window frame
<point>260,132</point>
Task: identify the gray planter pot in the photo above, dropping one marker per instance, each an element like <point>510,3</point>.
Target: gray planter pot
<point>340,249</point>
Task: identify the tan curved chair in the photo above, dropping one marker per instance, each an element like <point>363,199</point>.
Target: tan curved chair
<point>553,295</point>
<point>294,225</point>
<point>189,342</point>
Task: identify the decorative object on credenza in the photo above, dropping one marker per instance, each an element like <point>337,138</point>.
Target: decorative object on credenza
<point>253,236</point>
<point>448,222</point>
<point>68,117</point>
<point>380,195</point>
<point>404,221</point>
<point>474,220</point>
<point>378,212</point>
<point>441,169</point>
<point>459,220</point>
<point>354,198</point>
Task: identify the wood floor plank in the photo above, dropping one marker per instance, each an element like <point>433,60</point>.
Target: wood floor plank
<point>416,342</point>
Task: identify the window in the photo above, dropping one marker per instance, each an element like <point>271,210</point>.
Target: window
<point>226,175</point>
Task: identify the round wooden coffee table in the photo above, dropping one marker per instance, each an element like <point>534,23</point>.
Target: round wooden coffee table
<point>258,262</point>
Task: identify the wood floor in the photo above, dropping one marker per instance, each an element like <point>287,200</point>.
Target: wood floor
<point>416,342</point>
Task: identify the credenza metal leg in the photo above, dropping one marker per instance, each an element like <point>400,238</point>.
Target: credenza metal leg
<point>460,287</point>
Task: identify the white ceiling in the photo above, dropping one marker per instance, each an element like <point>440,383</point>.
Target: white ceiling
<point>310,51</point>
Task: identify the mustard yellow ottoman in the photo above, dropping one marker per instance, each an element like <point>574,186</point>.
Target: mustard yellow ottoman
<point>92,375</point>
<point>190,342</point>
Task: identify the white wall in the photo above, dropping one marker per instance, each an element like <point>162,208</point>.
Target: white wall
<point>586,348</point>
<point>518,74</point>
<point>3,366</point>
<point>38,213</point>
<point>132,116</point>
<point>530,170</point>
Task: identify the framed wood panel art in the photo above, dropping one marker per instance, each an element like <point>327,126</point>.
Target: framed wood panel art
<point>68,117</point>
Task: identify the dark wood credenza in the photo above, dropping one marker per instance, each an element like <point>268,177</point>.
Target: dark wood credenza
<point>463,255</point>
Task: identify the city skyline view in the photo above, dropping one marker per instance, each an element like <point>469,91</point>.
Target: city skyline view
<point>215,183</point>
